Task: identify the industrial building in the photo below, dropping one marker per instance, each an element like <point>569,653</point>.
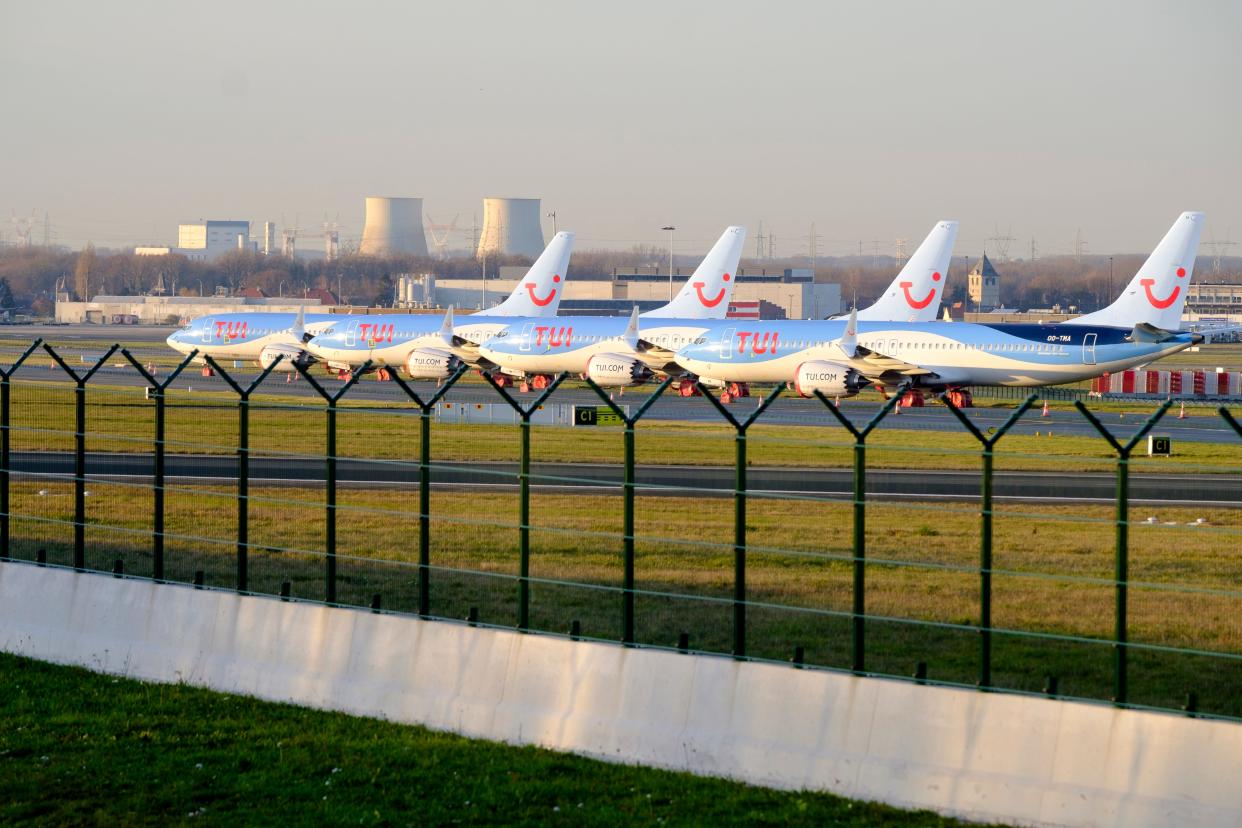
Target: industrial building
<point>511,227</point>
<point>175,310</point>
<point>392,226</point>
<point>205,241</point>
<point>791,295</point>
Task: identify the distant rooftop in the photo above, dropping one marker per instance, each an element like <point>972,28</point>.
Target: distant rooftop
<point>983,267</point>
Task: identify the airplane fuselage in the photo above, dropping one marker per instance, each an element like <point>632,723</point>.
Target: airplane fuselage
<point>243,335</point>
<point>549,346</point>
<point>388,341</point>
<point>931,354</point>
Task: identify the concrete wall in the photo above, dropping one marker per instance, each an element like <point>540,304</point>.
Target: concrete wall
<point>978,755</point>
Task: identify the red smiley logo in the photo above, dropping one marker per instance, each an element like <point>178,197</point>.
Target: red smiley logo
<point>919,304</point>
<point>530,288</point>
<point>709,303</point>
<point>1161,304</point>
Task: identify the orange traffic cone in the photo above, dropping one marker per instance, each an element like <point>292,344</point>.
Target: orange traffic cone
<point>1181,415</point>
<point>1045,414</point>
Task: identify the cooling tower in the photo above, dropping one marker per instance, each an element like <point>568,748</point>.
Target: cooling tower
<point>393,225</point>
<point>511,226</point>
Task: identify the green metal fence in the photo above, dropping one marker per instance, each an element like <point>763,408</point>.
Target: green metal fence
<point>235,481</point>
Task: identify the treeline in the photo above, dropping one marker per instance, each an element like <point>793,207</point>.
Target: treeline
<point>35,275</point>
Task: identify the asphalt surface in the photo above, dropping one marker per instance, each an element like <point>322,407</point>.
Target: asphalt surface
<point>834,484</point>
<point>788,410</point>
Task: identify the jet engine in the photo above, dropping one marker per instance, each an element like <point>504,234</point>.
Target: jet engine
<point>430,364</point>
<point>829,378</point>
<point>614,370</point>
<point>292,354</point>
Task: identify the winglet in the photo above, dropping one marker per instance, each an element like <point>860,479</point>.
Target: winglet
<point>631,330</point>
<point>446,327</point>
<point>298,328</point>
<point>848,343</point>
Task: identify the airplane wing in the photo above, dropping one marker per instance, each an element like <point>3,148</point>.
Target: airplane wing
<point>657,357</point>
<point>871,364</point>
<point>879,367</point>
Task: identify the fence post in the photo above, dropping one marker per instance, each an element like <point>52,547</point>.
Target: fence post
<point>627,576</point>
<point>243,464</point>
<point>5,446</point>
<point>79,450</point>
<point>1122,563</point>
<point>1225,415</point>
<point>985,528</point>
<point>426,408</point>
<point>524,492</point>
<point>858,616</point>
<point>330,471</point>
<point>157,391</point>
<point>739,510</point>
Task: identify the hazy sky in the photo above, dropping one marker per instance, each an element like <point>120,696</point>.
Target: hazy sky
<point>872,120</point>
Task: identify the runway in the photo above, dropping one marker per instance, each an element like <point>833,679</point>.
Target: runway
<point>788,410</point>
<point>668,480</point>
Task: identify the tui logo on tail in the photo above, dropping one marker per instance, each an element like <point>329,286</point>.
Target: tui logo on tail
<point>1161,304</point>
<point>919,304</point>
<point>530,288</point>
<point>703,300</point>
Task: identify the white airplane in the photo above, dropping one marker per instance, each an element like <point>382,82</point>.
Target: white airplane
<point>421,345</point>
<point>257,336</point>
<point>839,358</point>
<point>604,347</point>
<point>350,340</point>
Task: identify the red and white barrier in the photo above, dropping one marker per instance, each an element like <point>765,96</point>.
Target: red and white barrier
<point>1170,383</point>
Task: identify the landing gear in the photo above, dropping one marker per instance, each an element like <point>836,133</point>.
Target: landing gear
<point>960,397</point>
<point>687,388</point>
<point>540,381</point>
<point>208,372</point>
<point>344,375</point>
<point>911,399</point>
<point>383,375</point>
<point>738,389</point>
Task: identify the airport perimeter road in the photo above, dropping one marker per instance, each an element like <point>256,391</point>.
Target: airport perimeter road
<point>788,410</point>
<point>1184,490</point>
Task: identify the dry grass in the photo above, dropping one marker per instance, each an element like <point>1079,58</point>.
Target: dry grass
<point>1053,573</point>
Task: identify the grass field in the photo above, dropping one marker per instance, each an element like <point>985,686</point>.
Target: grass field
<point>1052,576</point>
<point>120,419</point>
<point>79,748</point>
<point>1053,569</point>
